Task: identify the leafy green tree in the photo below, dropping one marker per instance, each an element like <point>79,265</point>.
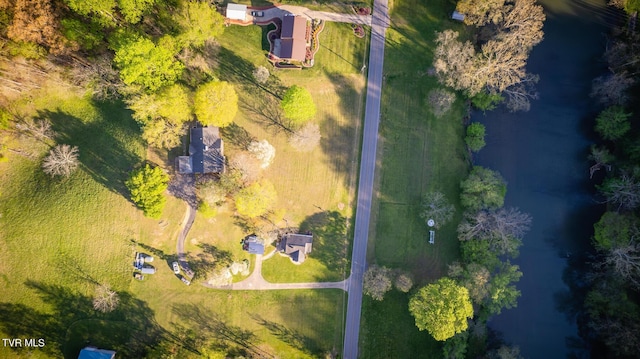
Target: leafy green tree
<point>475,136</point>
<point>376,282</point>
<point>436,207</point>
<point>613,123</point>
<point>479,251</point>
<point>198,23</point>
<point>442,308</point>
<point>615,230</point>
<point>456,346</point>
<point>146,66</point>
<point>486,101</point>
<point>132,10</point>
<point>502,291</point>
<point>173,103</point>
<point>161,133</point>
<point>216,103</point>
<point>298,105</point>
<point>147,186</point>
<point>101,11</point>
<point>483,189</point>
<point>256,200</point>
<point>473,276</point>
<point>86,36</point>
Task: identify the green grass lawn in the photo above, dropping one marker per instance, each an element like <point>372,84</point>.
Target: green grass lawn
<point>59,237</point>
<point>419,153</point>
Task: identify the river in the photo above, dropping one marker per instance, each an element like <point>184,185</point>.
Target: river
<point>543,156</point>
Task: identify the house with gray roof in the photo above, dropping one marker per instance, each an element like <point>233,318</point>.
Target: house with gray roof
<point>296,246</point>
<point>206,152</point>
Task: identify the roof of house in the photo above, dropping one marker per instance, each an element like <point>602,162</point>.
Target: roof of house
<point>297,246</point>
<point>236,11</point>
<point>206,150</point>
<point>294,27</point>
<point>293,38</point>
<point>253,245</point>
<point>295,49</point>
<point>95,353</point>
<point>184,164</point>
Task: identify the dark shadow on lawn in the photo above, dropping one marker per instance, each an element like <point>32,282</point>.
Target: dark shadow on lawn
<point>330,242</point>
<point>208,261</point>
<point>183,186</point>
<point>211,327</point>
<point>237,135</point>
<point>106,147</point>
<point>100,329</point>
<point>289,336</point>
<point>237,70</point>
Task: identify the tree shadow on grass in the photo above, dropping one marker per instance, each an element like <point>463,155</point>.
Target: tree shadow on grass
<point>330,240</point>
<point>237,135</point>
<point>211,327</point>
<point>60,327</point>
<point>208,261</point>
<point>108,148</point>
<point>289,336</point>
<point>237,70</point>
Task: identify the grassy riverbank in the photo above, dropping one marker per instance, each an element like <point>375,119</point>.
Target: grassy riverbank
<point>419,153</point>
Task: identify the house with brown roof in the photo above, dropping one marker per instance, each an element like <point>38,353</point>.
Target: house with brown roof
<point>206,152</point>
<point>293,38</point>
<point>296,246</point>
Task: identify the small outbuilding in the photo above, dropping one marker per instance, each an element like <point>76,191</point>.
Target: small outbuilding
<point>95,353</point>
<point>147,270</point>
<point>457,16</point>
<point>236,12</point>
<point>253,245</point>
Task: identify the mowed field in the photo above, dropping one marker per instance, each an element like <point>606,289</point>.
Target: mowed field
<point>419,153</point>
<point>60,237</point>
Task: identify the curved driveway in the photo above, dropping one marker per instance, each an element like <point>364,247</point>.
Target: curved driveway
<point>367,168</point>
<point>282,10</point>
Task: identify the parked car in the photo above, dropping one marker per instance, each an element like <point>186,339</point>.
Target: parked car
<point>185,281</point>
<point>138,276</point>
<point>176,267</point>
<point>257,13</point>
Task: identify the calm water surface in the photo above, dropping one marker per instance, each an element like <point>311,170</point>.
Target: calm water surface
<point>543,156</point>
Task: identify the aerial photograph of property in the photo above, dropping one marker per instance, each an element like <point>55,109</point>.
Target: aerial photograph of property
<point>366,179</point>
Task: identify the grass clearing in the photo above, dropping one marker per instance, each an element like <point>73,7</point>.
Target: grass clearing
<point>420,153</point>
<point>60,237</point>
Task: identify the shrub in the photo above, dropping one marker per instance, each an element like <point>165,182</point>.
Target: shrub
<point>475,136</point>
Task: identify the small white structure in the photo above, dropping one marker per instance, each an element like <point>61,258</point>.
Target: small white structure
<point>432,237</point>
<point>457,16</point>
<point>236,12</point>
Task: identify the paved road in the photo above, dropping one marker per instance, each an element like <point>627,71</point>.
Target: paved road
<point>367,168</point>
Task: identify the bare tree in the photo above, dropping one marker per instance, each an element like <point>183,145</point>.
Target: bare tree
<point>39,129</point>
<point>377,281</point>
<point>481,12</point>
<point>263,151</point>
<point>100,76</point>
<point>105,300</point>
<point>247,165</point>
<point>61,161</point>
<point>602,157</point>
<point>261,74</point>
<point>306,138</point>
<point>440,101</point>
<point>612,89</point>
<point>521,24</point>
<point>503,229</point>
<point>625,261</point>
<point>519,95</point>
<point>454,62</point>
<point>436,207</point>
<point>623,191</point>
<point>403,281</point>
